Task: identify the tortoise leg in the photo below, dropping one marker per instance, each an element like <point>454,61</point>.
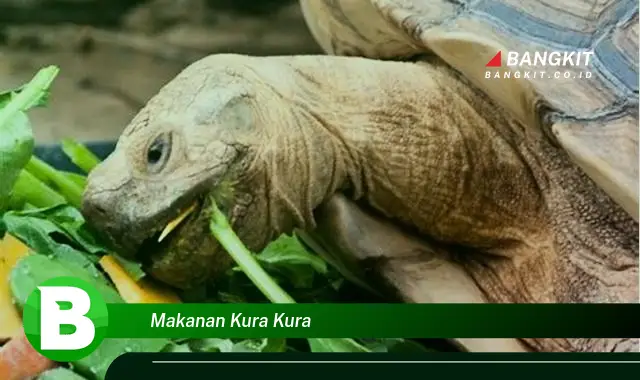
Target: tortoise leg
<point>407,268</point>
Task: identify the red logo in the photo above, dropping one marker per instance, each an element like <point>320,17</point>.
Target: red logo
<point>496,61</point>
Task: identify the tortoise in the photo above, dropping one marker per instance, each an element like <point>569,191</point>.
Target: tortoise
<point>420,152</point>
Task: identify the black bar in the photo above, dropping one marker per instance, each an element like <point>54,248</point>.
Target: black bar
<point>371,366</point>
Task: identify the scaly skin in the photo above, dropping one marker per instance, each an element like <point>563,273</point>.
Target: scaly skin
<point>276,138</point>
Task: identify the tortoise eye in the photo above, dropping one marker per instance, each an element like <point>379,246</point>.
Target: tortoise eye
<point>158,152</point>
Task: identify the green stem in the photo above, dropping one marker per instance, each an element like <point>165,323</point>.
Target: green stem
<point>244,258</point>
<point>67,187</point>
<point>30,95</point>
<point>29,189</point>
<point>80,155</point>
<point>225,235</point>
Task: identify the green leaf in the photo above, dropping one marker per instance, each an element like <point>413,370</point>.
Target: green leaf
<point>32,270</point>
<point>45,229</point>
<point>133,269</point>
<point>275,345</point>
<point>7,96</point>
<point>261,345</point>
<point>60,373</point>
<point>288,257</point>
<point>396,345</point>
<point>72,222</point>
<point>211,345</point>
<point>41,235</point>
<point>287,250</point>
<point>16,143</point>
<point>336,345</point>
<point>177,347</point>
<point>46,238</point>
<point>33,94</point>
<point>16,147</point>
<point>80,155</point>
<point>246,345</point>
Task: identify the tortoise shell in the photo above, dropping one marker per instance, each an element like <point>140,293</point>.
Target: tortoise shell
<point>590,108</point>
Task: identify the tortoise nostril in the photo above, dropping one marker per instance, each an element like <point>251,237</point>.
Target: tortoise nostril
<point>96,205</point>
<point>100,209</point>
<point>92,210</point>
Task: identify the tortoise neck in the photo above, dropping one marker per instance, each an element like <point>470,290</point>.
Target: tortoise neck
<point>354,113</point>
<point>415,143</point>
<point>330,129</point>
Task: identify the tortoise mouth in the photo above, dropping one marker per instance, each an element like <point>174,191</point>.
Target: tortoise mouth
<point>188,256</point>
<point>161,238</point>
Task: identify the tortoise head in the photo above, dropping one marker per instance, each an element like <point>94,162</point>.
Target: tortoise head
<point>192,141</point>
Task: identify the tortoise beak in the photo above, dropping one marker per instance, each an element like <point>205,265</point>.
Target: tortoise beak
<point>113,224</point>
<point>104,210</point>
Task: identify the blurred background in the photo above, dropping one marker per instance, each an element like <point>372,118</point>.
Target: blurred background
<point>115,54</point>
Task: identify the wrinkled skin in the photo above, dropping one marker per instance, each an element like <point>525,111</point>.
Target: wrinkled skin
<point>297,142</point>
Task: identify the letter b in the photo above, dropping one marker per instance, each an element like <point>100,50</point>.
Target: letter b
<point>65,318</point>
<point>512,58</point>
<point>52,317</point>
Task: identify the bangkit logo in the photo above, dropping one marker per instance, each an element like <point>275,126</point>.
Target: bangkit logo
<point>65,319</point>
<point>541,65</point>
